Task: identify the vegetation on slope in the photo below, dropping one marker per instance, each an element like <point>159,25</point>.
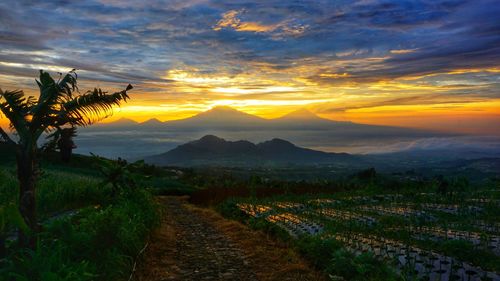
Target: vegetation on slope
<point>87,233</point>
<point>357,196</point>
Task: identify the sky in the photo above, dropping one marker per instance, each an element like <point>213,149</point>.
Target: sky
<point>426,64</point>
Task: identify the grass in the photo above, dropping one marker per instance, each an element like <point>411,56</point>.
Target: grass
<point>96,244</point>
<point>98,240</point>
<point>57,191</point>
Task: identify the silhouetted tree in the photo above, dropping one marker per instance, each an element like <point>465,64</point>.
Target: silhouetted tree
<point>62,139</point>
<point>59,104</point>
<point>119,173</point>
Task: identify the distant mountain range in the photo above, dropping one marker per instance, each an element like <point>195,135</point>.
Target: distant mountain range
<point>214,151</point>
<point>132,140</point>
<point>224,118</point>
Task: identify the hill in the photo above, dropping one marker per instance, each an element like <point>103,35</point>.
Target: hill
<point>301,127</point>
<point>215,151</point>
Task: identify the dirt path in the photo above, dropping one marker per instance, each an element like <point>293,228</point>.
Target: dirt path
<point>198,244</point>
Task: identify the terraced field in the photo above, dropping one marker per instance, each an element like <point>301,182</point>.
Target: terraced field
<point>422,236</point>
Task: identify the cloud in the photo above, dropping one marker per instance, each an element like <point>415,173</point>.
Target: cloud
<point>402,51</point>
<point>231,19</point>
<point>355,53</point>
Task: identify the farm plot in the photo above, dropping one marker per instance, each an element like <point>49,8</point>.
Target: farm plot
<point>404,211</point>
<point>294,224</point>
<point>414,262</point>
<point>481,240</point>
<point>409,236</point>
<point>334,214</point>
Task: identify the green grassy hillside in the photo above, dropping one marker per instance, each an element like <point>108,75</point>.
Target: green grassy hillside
<point>87,232</point>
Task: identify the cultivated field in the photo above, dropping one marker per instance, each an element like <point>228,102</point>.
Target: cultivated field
<point>424,236</point>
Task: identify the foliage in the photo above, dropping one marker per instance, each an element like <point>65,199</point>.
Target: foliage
<point>60,189</point>
<point>119,174</point>
<point>45,264</point>
<point>318,251</point>
<point>362,267</point>
<point>10,218</point>
<point>86,233</point>
<point>56,106</point>
<point>408,215</point>
<point>59,104</point>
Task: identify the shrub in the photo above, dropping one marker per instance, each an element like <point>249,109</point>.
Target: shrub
<point>362,267</point>
<point>99,243</point>
<point>318,251</point>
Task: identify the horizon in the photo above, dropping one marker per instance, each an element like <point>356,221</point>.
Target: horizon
<point>416,64</point>
<point>115,119</point>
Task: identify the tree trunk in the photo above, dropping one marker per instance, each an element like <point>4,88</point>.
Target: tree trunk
<point>27,174</point>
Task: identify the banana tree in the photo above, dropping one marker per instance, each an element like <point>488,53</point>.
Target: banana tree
<point>62,139</point>
<point>60,104</point>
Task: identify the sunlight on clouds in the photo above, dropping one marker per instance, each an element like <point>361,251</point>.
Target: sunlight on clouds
<point>474,70</point>
<point>255,27</point>
<point>164,112</point>
<point>192,77</point>
<point>397,86</point>
<point>491,70</point>
<point>250,103</point>
<point>334,75</point>
<point>230,20</point>
<point>269,92</point>
<point>46,67</point>
<point>240,91</point>
<point>324,85</point>
<point>403,51</point>
<point>479,107</point>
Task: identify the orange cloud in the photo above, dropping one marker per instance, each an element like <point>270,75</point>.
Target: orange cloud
<point>230,20</point>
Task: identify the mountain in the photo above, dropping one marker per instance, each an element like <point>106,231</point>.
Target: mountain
<point>225,118</point>
<point>151,123</point>
<point>220,117</point>
<point>121,123</point>
<point>301,115</point>
<point>301,127</point>
<point>303,119</point>
<point>212,150</point>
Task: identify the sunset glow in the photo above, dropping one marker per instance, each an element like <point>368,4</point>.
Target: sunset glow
<point>432,69</point>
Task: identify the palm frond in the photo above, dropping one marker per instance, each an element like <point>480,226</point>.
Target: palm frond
<point>52,94</point>
<point>15,107</point>
<point>68,84</point>
<point>93,106</point>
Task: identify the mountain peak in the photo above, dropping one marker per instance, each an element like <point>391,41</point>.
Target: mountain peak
<point>212,150</point>
<point>123,121</point>
<point>222,108</point>
<point>301,113</point>
<point>211,138</point>
<point>224,116</point>
<point>152,121</point>
<point>277,144</point>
